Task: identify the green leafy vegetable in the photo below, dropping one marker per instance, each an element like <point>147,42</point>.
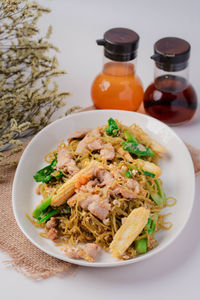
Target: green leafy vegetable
<point>138,149</point>
<point>151,224</point>
<point>67,209</point>
<point>41,207</point>
<point>43,213</point>
<point>112,128</point>
<point>48,216</point>
<point>148,173</point>
<point>141,246</point>
<point>148,226</point>
<point>128,174</point>
<point>44,175</point>
<point>130,138</point>
<point>159,198</point>
<point>133,146</point>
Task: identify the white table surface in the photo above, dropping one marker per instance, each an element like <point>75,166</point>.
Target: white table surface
<point>174,273</point>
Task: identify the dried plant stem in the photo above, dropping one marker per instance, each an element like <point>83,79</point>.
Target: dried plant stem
<point>28,93</point>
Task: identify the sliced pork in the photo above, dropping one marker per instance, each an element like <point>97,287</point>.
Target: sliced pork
<point>124,192</point>
<point>129,190</point>
<point>107,152</point>
<point>133,185</point>
<point>71,251</point>
<point>104,176</point>
<point>51,226</point>
<point>91,250</point>
<point>90,142</point>
<point>53,234</point>
<point>52,223</point>
<point>89,187</point>
<point>65,162</point>
<point>87,251</point>
<point>78,134</point>
<point>97,205</point>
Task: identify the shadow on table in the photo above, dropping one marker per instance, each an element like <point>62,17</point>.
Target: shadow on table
<point>159,266</point>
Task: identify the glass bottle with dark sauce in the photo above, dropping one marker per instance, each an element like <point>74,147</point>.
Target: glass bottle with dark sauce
<point>171,98</point>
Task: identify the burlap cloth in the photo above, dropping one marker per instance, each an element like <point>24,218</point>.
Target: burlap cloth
<point>24,256</point>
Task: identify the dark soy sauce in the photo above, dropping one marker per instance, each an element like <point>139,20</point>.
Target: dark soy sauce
<point>170,99</point>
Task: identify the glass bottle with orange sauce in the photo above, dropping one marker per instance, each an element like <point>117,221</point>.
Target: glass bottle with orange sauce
<point>118,86</point>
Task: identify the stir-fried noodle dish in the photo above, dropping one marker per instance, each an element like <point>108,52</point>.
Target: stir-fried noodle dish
<point>103,190</point>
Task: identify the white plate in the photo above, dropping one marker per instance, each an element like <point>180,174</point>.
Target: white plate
<point>177,167</point>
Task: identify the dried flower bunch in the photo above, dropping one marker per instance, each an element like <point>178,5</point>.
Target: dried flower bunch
<point>28,94</point>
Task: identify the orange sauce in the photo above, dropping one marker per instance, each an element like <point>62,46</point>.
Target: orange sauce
<point>117,87</point>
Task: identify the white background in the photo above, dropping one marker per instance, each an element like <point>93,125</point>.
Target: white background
<point>174,273</point>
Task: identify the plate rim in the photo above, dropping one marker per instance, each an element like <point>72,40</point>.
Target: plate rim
<point>103,264</point>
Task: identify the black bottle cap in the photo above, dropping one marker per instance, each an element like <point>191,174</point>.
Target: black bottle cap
<point>120,44</point>
<point>171,54</point>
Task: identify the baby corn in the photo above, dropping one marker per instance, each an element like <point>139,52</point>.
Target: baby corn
<point>149,167</point>
<point>158,148</point>
<point>68,188</point>
<point>155,146</point>
<point>128,232</point>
